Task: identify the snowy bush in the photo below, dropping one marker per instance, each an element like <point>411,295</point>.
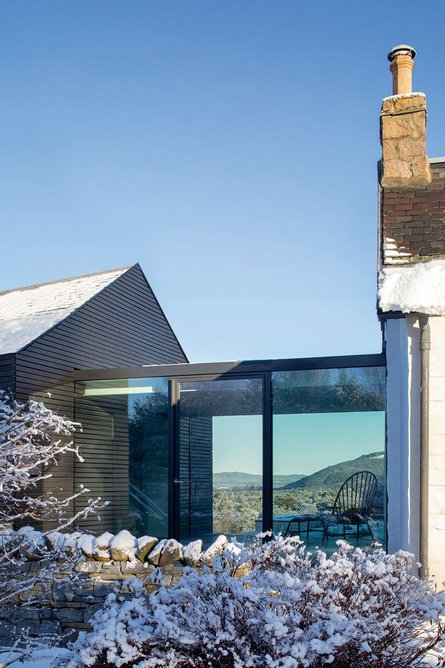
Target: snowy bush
<point>32,438</point>
<point>354,609</point>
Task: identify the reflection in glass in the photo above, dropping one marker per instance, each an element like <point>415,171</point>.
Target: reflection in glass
<point>220,453</point>
<point>328,429</point>
<point>148,461</point>
<point>124,443</point>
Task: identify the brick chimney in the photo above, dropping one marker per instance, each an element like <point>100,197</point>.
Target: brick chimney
<point>403,127</point>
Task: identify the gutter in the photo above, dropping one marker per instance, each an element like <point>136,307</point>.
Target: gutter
<point>425,347</point>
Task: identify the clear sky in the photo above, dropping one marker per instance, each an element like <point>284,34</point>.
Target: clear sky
<point>228,146</point>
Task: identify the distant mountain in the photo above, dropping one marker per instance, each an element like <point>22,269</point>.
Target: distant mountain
<point>335,475</point>
<point>233,479</point>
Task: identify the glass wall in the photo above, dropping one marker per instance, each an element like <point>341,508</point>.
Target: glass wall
<point>329,454</point>
<point>220,458</point>
<point>321,440</point>
<point>124,444</point>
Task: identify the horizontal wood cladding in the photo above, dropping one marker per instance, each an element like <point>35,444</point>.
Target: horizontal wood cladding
<point>123,325</point>
<point>104,445</point>
<point>7,373</point>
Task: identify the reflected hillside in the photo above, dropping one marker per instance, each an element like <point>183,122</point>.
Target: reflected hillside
<point>237,502</point>
<point>238,479</point>
<point>337,474</point>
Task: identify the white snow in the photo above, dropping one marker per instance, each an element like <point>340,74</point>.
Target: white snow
<point>403,95</point>
<point>144,540</point>
<point>86,544</point>
<point>124,543</point>
<point>192,552</point>
<point>37,658</point>
<point>304,608</point>
<point>101,545</point>
<point>418,288</point>
<point>215,548</point>
<point>27,313</point>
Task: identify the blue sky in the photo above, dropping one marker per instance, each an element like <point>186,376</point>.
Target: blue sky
<point>230,147</point>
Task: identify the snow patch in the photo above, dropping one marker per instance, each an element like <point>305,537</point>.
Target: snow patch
<point>403,95</point>
<point>27,313</point>
<point>192,552</point>
<point>419,288</point>
<point>85,543</point>
<point>123,546</point>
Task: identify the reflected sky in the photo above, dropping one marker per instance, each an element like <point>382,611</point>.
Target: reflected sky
<point>303,443</point>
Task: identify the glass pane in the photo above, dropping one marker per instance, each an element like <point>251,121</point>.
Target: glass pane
<point>124,443</point>
<point>220,452</point>
<point>329,454</point>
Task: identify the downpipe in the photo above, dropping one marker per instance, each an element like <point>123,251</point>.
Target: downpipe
<point>425,347</point>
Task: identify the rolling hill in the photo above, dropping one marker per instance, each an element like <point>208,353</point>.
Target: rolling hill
<point>335,475</point>
<point>238,479</point>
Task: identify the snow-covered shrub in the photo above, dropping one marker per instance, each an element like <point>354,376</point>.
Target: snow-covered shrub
<point>32,438</point>
<point>354,609</point>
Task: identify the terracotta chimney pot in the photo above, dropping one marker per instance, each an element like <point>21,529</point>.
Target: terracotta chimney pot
<point>402,65</point>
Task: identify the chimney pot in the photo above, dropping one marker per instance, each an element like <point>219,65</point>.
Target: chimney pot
<point>401,58</point>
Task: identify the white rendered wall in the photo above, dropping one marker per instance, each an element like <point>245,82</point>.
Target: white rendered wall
<point>403,432</point>
<point>436,543</point>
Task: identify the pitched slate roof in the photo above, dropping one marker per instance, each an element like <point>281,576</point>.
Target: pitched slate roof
<point>27,313</point>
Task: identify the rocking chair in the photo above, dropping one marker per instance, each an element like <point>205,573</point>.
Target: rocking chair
<point>353,504</point>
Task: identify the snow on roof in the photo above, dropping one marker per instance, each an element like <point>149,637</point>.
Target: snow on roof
<point>417,288</point>
<point>27,313</point>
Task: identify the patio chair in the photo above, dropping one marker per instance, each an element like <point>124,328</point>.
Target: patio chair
<point>353,504</point>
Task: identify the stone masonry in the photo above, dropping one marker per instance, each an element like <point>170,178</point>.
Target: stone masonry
<point>403,137</point>
<point>66,605</point>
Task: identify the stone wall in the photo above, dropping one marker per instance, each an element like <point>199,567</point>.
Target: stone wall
<point>403,137</point>
<point>98,567</point>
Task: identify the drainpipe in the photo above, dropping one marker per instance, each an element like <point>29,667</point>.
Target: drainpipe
<point>425,346</point>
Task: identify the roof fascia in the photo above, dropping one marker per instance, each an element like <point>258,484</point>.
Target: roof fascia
<point>232,368</point>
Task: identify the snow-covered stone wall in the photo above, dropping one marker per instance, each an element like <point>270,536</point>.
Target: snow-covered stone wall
<point>90,569</point>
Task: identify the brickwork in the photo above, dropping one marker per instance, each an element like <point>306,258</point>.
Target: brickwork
<point>413,227</point>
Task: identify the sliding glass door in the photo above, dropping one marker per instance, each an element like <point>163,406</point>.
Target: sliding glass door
<point>219,477</point>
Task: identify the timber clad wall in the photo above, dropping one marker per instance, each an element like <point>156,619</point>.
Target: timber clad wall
<point>7,373</point>
<point>104,445</point>
<point>414,221</point>
<point>123,325</point>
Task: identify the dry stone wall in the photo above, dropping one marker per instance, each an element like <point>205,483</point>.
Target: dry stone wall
<point>97,567</point>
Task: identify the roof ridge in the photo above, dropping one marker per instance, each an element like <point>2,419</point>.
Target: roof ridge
<point>66,280</point>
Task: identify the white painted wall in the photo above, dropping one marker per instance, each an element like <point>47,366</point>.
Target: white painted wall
<point>403,432</point>
<point>402,337</point>
<point>436,533</point>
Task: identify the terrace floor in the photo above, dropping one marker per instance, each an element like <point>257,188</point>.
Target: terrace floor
<point>312,539</point>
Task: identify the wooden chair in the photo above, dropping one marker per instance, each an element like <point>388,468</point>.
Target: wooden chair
<point>353,504</point>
